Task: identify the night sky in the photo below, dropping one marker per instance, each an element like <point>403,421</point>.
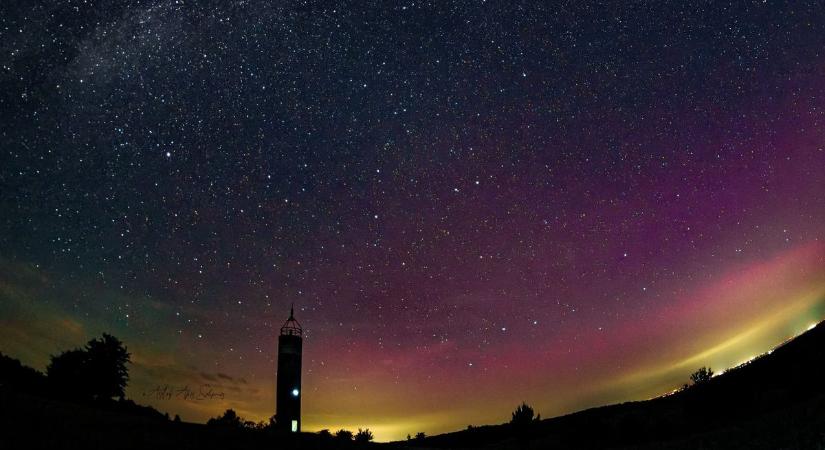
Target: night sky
<point>471,204</point>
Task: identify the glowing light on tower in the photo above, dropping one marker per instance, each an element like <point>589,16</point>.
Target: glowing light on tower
<point>288,389</point>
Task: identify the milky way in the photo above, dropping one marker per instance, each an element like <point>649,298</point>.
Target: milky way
<point>471,204</point>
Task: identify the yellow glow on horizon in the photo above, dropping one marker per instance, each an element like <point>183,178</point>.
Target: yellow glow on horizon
<point>383,428</point>
<point>753,339</point>
<point>747,312</point>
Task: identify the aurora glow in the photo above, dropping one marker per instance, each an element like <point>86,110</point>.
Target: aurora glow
<point>471,205</point>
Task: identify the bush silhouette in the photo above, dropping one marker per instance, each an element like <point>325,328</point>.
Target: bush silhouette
<point>420,436</point>
<point>229,419</point>
<point>702,375</point>
<point>325,434</point>
<point>343,435</point>
<point>522,420</point>
<point>522,416</point>
<point>363,436</point>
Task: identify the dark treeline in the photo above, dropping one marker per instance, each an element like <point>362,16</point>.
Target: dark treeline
<point>342,438</point>
<point>97,371</point>
<point>96,374</point>
<point>776,401</point>
<point>80,402</point>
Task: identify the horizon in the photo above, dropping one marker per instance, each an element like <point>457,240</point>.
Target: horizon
<point>783,327</point>
<point>470,204</point>
<point>167,390</point>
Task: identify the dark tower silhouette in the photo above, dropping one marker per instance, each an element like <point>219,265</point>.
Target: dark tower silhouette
<point>288,389</point>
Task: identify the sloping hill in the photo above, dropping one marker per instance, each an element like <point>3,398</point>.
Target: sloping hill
<point>775,401</point>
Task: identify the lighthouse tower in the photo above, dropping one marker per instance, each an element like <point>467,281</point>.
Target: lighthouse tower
<point>288,390</point>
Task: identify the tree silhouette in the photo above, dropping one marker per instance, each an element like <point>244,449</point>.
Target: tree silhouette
<point>325,434</point>
<point>67,372</point>
<point>702,375</point>
<point>98,371</point>
<point>420,436</point>
<point>229,419</point>
<point>343,435</point>
<point>363,436</point>
<point>107,372</point>
<point>522,416</point>
<point>521,421</point>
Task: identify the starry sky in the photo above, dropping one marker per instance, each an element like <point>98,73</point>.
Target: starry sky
<point>470,203</point>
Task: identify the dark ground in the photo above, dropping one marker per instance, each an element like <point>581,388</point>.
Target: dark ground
<point>774,402</point>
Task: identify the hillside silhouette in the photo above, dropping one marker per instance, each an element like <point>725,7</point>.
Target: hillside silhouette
<point>773,402</point>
